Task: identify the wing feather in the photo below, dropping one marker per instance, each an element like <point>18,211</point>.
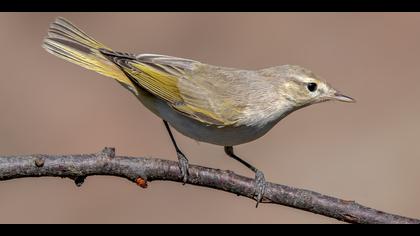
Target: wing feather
<point>171,79</point>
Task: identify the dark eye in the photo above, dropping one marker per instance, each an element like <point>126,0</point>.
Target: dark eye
<point>312,87</point>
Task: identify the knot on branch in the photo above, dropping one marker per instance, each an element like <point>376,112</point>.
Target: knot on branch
<point>79,180</point>
<point>141,182</point>
<point>39,162</point>
<point>108,152</point>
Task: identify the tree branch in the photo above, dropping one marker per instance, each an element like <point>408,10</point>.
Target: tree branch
<point>141,170</point>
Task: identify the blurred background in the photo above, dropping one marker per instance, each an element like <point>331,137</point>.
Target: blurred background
<point>365,151</point>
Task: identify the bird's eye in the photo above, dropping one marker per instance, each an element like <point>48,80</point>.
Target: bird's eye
<point>312,87</point>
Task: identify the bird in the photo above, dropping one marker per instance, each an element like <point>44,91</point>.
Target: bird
<point>214,104</point>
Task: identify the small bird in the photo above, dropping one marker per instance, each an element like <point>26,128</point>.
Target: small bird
<point>213,104</point>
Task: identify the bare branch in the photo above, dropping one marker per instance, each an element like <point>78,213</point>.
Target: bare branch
<point>141,170</point>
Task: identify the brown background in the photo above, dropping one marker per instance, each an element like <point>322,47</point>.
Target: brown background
<point>366,151</point>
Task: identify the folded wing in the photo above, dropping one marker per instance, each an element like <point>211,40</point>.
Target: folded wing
<point>182,83</point>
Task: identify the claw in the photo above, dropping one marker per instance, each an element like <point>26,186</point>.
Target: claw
<point>260,185</point>
<point>183,166</point>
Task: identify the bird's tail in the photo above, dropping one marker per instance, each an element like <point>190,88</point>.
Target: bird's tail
<point>70,43</point>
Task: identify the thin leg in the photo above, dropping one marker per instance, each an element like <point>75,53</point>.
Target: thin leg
<point>260,183</point>
<point>182,160</point>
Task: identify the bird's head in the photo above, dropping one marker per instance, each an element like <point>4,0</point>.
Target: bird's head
<point>301,87</point>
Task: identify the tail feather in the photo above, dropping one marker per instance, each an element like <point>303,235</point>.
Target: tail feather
<point>61,28</point>
<point>68,42</point>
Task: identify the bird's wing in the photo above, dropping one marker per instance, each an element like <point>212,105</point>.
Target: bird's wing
<point>175,81</point>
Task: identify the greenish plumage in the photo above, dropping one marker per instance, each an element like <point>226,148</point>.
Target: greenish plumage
<point>211,95</point>
<point>218,105</point>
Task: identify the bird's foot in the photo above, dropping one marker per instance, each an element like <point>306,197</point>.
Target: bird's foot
<point>260,185</point>
<point>183,166</point>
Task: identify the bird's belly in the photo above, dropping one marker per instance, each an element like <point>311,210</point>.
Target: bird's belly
<point>223,136</point>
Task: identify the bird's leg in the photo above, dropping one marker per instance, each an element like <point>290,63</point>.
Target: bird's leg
<point>182,160</point>
<point>260,183</point>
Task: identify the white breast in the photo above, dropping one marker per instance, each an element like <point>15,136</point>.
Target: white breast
<point>225,136</point>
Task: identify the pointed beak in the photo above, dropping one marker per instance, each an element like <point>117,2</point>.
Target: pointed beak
<point>342,98</point>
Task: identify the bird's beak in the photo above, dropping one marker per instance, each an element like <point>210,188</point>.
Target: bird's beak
<point>342,98</point>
